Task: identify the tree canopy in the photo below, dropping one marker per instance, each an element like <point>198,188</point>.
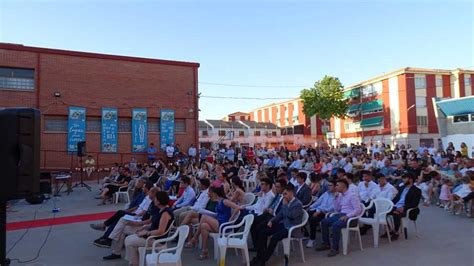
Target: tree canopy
<point>325,99</point>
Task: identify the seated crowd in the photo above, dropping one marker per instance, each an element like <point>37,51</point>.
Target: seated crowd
<point>333,185</point>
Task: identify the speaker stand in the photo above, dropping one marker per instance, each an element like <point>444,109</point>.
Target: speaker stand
<point>3,231</point>
<point>82,184</point>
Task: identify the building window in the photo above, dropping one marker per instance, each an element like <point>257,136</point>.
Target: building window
<point>205,133</point>
<point>460,118</point>
<point>241,133</point>
<point>420,83</point>
<point>124,125</point>
<point>93,124</point>
<point>221,133</point>
<point>153,124</point>
<point>17,78</point>
<point>369,91</point>
<point>274,134</point>
<point>420,101</point>
<point>180,125</point>
<point>422,121</point>
<point>55,123</point>
<point>439,82</point>
<point>467,81</point>
<point>256,133</point>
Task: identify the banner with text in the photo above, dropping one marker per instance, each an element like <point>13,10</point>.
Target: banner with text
<point>139,130</point>
<point>109,130</point>
<point>166,128</point>
<point>76,127</point>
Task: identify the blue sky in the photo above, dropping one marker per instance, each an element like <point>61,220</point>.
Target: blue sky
<point>286,44</point>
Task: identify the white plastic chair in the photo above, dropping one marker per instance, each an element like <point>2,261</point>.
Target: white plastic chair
<point>142,251</point>
<point>235,240</point>
<point>122,191</point>
<point>169,255</point>
<point>405,221</point>
<point>345,231</point>
<point>382,208</point>
<point>287,241</point>
<point>250,181</point>
<point>249,198</point>
<point>215,236</point>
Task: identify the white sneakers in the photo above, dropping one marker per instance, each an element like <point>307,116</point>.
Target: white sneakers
<point>310,243</point>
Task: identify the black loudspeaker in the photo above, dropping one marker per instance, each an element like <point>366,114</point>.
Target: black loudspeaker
<point>20,151</point>
<point>81,149</point>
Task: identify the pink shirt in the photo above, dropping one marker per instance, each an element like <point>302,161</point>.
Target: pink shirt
<point>445,193</point>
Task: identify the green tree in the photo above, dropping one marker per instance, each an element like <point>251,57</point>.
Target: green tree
<point>325,99</point>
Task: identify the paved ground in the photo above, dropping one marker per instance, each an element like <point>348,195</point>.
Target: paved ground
<point>444,240</point>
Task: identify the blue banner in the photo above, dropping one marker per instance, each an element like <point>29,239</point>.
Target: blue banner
<point>139,130</point>
<point>76,127</point>
<point>109,130</point>
<point>166,128</point>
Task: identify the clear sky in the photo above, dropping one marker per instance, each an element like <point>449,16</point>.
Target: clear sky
<point>286,44</point>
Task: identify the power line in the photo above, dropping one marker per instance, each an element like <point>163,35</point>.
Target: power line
<point>253,86</point>
<point>247,98</point>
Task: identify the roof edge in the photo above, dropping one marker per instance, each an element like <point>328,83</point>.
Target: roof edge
<point>20,47</point>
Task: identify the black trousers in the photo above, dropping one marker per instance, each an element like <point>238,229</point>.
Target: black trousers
<point>397,218</point>
<point>258,223</point>
<point>276,233</point>
<point>115,218</point>
<point>314,222</point>
<point>468,197</point>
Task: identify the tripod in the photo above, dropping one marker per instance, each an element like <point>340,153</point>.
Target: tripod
<point>81,183</point>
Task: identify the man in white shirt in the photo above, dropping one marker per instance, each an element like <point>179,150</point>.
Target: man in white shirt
<point>169,151</point>
<point>263,201</point>
<point>348,166</point>
<point>192,152</point>
<point>200,203</point>
<point>353,188</point>
<point>297,163</point>
<point>386,190</point>
<point>293,174</point>
<point>367,189</point>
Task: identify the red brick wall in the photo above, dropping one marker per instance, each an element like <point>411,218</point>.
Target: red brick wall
<point>446,86</point>
<point>462,88</point>
<point>431,93</point>
<point>95,82</point>
<point>386,107</point>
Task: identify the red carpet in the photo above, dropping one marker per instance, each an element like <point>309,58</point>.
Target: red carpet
<point>58,221</point>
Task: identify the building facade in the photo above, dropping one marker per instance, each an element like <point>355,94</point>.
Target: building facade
<point>397,108</point>
<point>216,133</point>
<point>455,119</point>
<point>295,125</point>
<point>53,80</point>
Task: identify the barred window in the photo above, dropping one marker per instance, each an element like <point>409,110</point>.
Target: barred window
<point>55,123</point>
<point>422,120</point>
<point>93,124</point>
<point>124,125</point>
<point>153,125</point>
<point>180,125</point>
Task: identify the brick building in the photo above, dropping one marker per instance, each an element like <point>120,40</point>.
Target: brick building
<point>296,127</point>
<point>397,107</point>
<point>52,80</point>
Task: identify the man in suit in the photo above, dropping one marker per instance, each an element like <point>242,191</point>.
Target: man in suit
<point>260,221</point>
<point>303,192</point>
<point>291,214</point>
<point>408,197</point>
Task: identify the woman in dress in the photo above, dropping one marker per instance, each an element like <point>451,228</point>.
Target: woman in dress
<point>210,221</point>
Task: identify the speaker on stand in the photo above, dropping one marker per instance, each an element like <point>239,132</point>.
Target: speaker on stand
<point>81,152</point>
<point>19,161</point>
